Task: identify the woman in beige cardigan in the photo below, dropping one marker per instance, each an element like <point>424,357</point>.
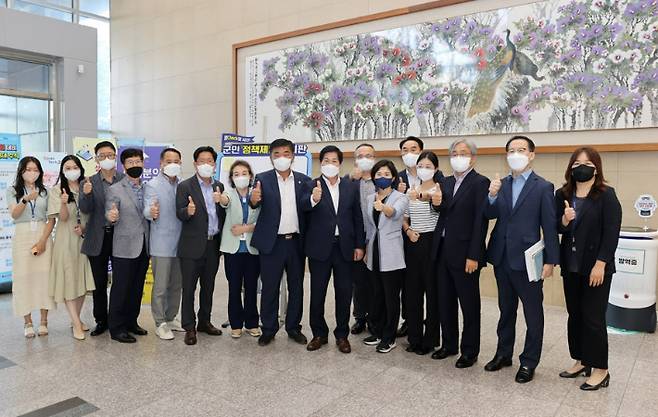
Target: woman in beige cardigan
<point>241,262</point>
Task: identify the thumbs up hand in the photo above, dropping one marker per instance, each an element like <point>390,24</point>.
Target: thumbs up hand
<point>216,195</point>
<point>113,214</point>
<point>569,212</point>
<point>256,194</point>
<point>412,194</point>
<point>402,187</point>
<point>191,207</point>
<point>437,196</point>
<point>495,185</point>
<point>224,198</point>
<point>87,187</point>
<point>64,197</point>
<point>378,204</point>
<point>356,173</point>
<point>317,192</point>
<point>155,209</point>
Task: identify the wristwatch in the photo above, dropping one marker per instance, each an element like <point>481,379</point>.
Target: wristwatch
<point>24,201</point>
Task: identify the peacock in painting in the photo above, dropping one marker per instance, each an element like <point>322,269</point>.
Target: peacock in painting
<point>489,90</point>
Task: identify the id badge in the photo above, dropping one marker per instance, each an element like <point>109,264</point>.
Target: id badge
<point>33,225</point>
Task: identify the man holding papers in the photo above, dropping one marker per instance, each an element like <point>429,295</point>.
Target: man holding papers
<point>523,205</point>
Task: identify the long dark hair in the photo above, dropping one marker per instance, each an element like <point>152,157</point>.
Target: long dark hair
<point>19,183</point>
<point>599,186</point>
<point>63,182</point>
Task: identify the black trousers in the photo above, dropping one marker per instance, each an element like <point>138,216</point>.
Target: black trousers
<point>457,288</point>
<point>586,326</point>
<point>286,255</point>
<point>321,272</point>
<point>128,275</point>
<point>362,291</point>
<point>242,270</point>
<point>385,312</point>
<point>202,271</point>
<point>512,286</point>
<point>99,271</point>
<point>421,294</point>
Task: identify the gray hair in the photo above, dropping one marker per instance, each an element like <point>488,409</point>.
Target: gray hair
<point>471,145</point>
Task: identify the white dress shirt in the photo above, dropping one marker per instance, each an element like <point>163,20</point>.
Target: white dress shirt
<point>334,190</point>
<point>289,221</point>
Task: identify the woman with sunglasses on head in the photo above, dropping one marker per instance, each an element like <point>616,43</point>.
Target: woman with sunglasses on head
<point>589,219</point>
<point>27,201</point>
<point>71,276</point>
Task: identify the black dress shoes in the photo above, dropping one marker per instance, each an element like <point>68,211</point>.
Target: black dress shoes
<point>137,330</point>
<point>358,327</point>
<point>265,339</point>
<point>208,328</point>
<point>412,348</point>
<point>498,363</point>
<point>190,337</point>
<point>422,350</point>
<point>99,330</point>
<point>584,371</point>
<point>465,361</point>
<point>403,330</point>
<point>524,375</point>
<point>124,338</point>
<point>298,337</point>
<point>442,353</point>
<point>602,384</point>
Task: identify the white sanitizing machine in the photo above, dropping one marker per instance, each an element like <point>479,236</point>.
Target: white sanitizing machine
<point>632,303</point>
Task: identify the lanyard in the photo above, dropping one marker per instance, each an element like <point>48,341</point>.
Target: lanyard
<point>32,204</point>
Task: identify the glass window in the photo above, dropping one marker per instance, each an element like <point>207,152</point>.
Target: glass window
<point>29,118</point>
<point>61,3</point>
<point>42,11</point>
<point>3,3</point>
<point>98,7</point>
<point>24,76</point>
<point>103,69</point>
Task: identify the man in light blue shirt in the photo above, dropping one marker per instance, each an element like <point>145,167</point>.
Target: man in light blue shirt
<point>160,210</point>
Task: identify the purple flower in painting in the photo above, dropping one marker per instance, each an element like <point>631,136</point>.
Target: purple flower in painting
<point>317,61</point>
<point>341,97</point>
<point>369,46</point>
<point>295,58</point>
<point>384,70</point>
<point>599,51</point>
<point>521,112</point>
<point>301,81</point>
<point>268,64</point>
<point>289,98</point>
<point>364,91</point>
<point>286,118</point>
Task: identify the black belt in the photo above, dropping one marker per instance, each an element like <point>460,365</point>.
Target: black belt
<point>212,237</point>
<point>288,236</point>
<point>108,229</point>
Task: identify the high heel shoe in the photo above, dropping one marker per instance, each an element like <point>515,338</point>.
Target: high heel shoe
<point>584,371</point>
<point>602,384</point>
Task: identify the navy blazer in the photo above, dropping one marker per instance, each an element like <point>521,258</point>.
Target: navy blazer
<point>267,226</point>
<point>461,220</point>
<point>322,220</point>
<point>518,228</point>
<point>595,231</point>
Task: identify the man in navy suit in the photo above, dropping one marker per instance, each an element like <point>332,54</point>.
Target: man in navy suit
<point>278,236</point>
<point>523,205</point>
<point>335,239</point>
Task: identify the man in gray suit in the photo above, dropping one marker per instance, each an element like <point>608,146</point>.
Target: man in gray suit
<point>97,244</point>
<point>124,208</point>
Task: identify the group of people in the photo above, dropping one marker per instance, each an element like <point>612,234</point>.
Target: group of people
<point>408,243</point>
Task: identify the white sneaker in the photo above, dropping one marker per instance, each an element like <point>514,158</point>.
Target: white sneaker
<point>236,333</point>
<point>255,332</point>
<point>175,326</point>
<point>163,332</point>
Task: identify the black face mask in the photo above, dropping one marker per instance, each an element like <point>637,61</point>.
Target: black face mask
<point>134,172</point>
<point>582,173</point>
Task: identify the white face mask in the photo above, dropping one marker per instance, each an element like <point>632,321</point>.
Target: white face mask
<point>282,163</point>
<point>365,164</point>
<point>518,161</point>
<point>241,182</point>
<point>460,163</point>
<point>329,170</point>
<point>205,170</point>
<point>72,175</point>
<point>425,174</point>
<point>410,159</point>
<point>172,170</point>
<point>30,176</point>
<point>108,164</point>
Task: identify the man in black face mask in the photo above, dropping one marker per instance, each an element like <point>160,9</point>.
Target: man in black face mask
<point>124,209</point>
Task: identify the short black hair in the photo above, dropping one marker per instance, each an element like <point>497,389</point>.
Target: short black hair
<point>364,145</point>
<point>431,156</point>
<point>331,148</point>
<point>201,149</point>
<point>104,144</point>
<point>384,163</point>
<point>165,150</point>
<point>415,139</point>
<point>531,144</point>
<point>239,163</point>
<point>280,143</point>
<point>131,153</point>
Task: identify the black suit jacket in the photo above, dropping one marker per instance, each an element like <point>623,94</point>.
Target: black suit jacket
<point>462,219</point>
<point>595,229</point>
<point>194,234</point>
<point>267,226</point>
<point>322,220</point>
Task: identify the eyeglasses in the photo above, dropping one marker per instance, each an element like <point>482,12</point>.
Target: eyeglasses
<point>104,156</point>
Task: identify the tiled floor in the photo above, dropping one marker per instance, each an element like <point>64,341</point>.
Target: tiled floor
<point>221,376</point>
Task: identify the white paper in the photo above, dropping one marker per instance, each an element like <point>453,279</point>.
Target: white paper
<point>534,261</point>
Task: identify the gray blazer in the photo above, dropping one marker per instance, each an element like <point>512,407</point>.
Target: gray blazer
<point>131,232</point>
<point>230,243</point>
<point>391,244</point>
<point>94,206</point>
